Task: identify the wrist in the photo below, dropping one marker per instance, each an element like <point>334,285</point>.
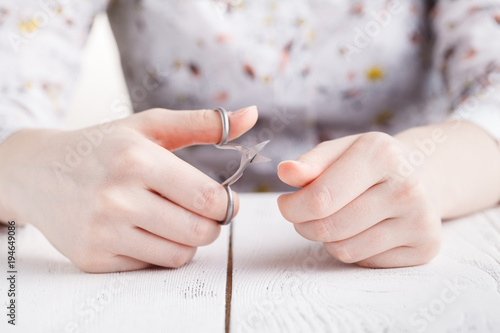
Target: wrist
<point>20,156</point>
<point>421,144</point>
<point>460,162</point>
<point>6,211</point>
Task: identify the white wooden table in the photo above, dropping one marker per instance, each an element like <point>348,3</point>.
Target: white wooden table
<point>268,280</point>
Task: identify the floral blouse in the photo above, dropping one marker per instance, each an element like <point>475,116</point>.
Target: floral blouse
<point>316,69</point>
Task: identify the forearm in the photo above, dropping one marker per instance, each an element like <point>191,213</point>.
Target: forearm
<point>6,160</point>
<point>462,162</point>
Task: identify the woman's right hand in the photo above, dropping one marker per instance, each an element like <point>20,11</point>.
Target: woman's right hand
<point>113,197</point>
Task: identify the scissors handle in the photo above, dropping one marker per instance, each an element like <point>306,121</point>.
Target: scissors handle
<point>225,126</point>
<point>230,206</point>
<point>248,156</point>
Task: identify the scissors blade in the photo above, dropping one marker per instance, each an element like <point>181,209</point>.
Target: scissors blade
<point>258,147</point>
<point>260,159</point>
<point>254,155</point>
<point>251,156</point>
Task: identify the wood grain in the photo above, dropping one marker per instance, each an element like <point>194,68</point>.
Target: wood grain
<point>54,296</point>
<point>284,283</point>
<point>280,283</point>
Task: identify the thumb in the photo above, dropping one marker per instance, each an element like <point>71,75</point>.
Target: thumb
<point>176,129</point>
<point>312,164</point>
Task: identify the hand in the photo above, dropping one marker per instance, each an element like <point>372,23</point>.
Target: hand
<point>115,198</point>
<point>356,201</point>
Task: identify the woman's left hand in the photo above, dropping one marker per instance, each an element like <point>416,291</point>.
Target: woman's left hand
<point>365,201</point>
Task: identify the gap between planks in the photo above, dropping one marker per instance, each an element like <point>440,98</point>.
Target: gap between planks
<point>229,279</point>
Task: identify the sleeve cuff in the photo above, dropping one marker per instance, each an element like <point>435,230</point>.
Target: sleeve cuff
<point>13,118</point>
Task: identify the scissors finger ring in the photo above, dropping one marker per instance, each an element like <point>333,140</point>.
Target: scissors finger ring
<point>249,155</point>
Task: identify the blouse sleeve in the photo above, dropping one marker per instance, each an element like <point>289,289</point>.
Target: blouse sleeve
<point>40,49</point>
<point>467,55</point>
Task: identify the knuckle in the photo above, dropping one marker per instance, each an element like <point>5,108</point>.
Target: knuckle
<point>321,202</point>
<point>392,155</point>
<point>374,139</point>
<point>410,189</point>
<point>359,147</point>
<point>182,256</point>
<point>384,147</point>
<point>339,251</point>
<point>390,152</point>
<point>108,204</point>
<point>129,158</point>
<point>324,230</point>
<point>209,200</point>
<point>378,237</point>
<point>197,233</point>
<point>203,233</point>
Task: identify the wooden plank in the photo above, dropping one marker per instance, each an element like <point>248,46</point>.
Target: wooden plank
<point>54,296</point>
<point>284,283</point>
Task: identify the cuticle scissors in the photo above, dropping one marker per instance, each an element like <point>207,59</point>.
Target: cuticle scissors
<point>249,155</point>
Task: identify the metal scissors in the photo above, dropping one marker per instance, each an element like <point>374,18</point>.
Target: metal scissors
<point>249,155</point>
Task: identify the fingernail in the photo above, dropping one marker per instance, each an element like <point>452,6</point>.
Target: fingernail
<point>241,111</point>
<point>290,161</point>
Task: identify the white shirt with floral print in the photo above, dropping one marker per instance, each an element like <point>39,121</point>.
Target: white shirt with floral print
<point>316,69</point>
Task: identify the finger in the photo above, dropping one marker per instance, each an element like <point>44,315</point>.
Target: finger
<point>170,221</point>
<point>309,166</point>
<point>188,187</point>
<point>176,129</point>
<point>351,175</point>
<point>123,264</point>
<point>144,246</point>
<point>107,263</point>
<point>381,237</point>
<point>371,207</point>
<point>403,256</point>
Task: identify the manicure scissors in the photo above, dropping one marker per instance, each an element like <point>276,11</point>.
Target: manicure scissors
<point>249,155</point>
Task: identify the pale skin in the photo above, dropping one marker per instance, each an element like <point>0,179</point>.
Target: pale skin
<point>355,201</point>
<point>130,204</point>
